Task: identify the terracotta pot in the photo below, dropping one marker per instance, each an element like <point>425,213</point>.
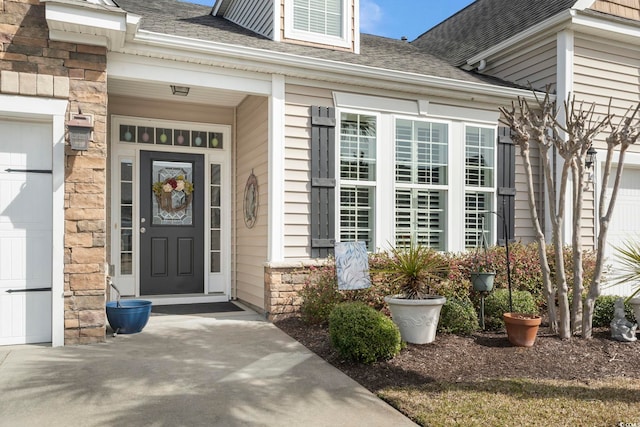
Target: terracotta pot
<point>521,328</point>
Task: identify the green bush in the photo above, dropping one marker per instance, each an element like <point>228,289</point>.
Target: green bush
<point>320,294</point>
<point>458,317</point>
<point>604,308</point>
<point>362,334</point>
<point>497,303</point>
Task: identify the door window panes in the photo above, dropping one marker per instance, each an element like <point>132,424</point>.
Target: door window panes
<point>215,228</point>
<point>126,216</point>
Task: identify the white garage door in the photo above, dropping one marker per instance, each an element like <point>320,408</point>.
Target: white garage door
<point>625,223</point>
<point>25,232</point>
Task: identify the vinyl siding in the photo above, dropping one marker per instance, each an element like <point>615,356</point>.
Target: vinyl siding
<point>298,100</point>
<point>250,246</point>
<point>534,64</point>
<point>255,15</point>
<point>605,72</point>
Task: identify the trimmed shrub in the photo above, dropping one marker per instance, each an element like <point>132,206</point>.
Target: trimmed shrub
<point>362,334</point>
<point>604,308</point>
<point>497,303</point>
<point>458,317</point>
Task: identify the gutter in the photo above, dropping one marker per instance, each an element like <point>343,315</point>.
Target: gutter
<point>254,59</point>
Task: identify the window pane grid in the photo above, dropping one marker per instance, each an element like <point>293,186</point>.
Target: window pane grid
<point>479,155</point>
<point>215,228</point>
<point>477,218</point>
<point>126,217</point>
<point>357,214</point>
<point>421,152</point>
<point>358,147</point>
<point>420,217</point>
<point>318,16</point>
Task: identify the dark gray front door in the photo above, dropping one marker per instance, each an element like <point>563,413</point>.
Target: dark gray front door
<point>171,223</point>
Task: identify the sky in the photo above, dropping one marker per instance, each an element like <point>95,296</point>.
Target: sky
<point>397,18</point>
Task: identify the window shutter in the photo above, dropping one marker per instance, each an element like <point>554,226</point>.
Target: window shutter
<point>323,182</point>
<point>506,170</point>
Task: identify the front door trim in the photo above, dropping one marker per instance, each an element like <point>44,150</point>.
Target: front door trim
<point>217,285</point>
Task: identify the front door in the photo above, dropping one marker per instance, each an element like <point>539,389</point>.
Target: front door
<point>171,223</point>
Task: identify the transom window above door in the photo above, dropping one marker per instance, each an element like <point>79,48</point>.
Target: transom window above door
<point>182,137</point>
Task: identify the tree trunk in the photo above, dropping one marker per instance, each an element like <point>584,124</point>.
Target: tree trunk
<point>548,289</point>
<point>564,321</point>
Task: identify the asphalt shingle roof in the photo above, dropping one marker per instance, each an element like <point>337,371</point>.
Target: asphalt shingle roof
<point>483,24</point>
<point>172,17</point>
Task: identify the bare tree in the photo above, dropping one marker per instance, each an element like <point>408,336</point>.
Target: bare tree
<point>621,136</point>
<point>569,138</point>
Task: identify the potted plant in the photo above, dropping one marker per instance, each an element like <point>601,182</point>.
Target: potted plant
<point>629,257</point>
<point>415,310</point>
<point>482,272</point>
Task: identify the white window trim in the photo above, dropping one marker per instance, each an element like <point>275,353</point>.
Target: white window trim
<point>447,188</point>
<point>347,182</point>
<point>384,232</point>
<point>291,33</point>
<point>493,219</point>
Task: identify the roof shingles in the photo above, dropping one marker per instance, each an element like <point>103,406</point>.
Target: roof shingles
<point>483,24</point>
<point>172,17</point>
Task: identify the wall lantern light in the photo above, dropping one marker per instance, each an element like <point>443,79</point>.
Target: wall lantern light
<point>80,127</point>
<point>590,160</point>
<point>180,90</point>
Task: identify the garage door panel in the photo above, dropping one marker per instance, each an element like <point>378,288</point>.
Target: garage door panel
<point>18,322</point>
<point>624,225</point>
<point>25,232</point>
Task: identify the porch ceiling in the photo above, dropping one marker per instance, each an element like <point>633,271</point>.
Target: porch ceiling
<point>162,91</point>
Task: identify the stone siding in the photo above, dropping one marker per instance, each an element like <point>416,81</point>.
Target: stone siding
<point>281,287</point>
<point>33,65</point>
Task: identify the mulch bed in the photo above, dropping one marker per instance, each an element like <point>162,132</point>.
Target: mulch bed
<point>482,356</point>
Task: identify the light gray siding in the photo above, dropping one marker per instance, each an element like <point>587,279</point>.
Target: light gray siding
<point>255,15</point>
<point>533,63</point>
<point>250,245</point>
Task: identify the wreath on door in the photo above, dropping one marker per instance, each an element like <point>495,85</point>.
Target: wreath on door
<point>173,194</point>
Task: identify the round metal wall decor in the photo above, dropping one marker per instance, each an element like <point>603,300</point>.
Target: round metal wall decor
<point>251,201</point>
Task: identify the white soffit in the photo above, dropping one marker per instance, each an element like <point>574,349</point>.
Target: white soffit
<point>153,90</point>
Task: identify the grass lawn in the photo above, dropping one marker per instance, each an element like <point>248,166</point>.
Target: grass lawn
<point>520,402</point>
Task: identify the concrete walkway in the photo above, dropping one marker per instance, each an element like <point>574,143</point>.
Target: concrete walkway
<point>233,369</point>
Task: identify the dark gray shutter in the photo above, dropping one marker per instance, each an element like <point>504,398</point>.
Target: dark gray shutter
<point>506,170</point>
<point>323,182</point>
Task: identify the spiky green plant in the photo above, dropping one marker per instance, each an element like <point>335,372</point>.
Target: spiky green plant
<point>629,256</point>
<point>415,268</point>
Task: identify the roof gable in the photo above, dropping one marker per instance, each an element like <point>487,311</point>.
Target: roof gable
<point>485,23</point>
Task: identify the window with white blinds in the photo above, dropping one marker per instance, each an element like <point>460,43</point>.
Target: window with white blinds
<point>326,22</point>
<point>421,174</point>
<point>479,185</point>
<point>358,163</point>
<point>318,16</point>
<point>405,176</point>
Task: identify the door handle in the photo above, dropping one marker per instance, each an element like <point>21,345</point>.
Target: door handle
<point>143,230</point>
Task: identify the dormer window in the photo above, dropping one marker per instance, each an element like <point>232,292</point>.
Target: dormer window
<point>318,21</point>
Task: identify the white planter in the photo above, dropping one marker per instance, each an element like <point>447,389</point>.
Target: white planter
<point>635,303</point>
<point>417,319</point>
